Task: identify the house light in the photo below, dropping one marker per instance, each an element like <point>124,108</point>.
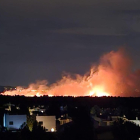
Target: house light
<point>52,129</point>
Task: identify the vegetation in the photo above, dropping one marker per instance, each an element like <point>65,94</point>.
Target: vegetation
<point>126,130</point>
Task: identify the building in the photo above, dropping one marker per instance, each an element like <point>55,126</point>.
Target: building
<point>136,122</point>
<point>8,106</point>
<point>65,120</point>
<point>98,122</point>
<point>49,122</point>
<point>39,109</point>
<point>114,118</point>
<point>14,122</point>
<point>107,123</point>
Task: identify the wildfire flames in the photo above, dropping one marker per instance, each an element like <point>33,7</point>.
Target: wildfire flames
<point>113,76</point>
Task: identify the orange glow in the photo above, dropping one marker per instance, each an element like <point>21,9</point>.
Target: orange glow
<point>113,76</point>
<point>98,91</point>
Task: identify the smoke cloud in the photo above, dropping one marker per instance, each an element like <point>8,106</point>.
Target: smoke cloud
<point>113,76</point>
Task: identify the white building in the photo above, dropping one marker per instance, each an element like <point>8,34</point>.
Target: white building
<point>136,122</point>
<point>14,122</point>
<point>49,122</point>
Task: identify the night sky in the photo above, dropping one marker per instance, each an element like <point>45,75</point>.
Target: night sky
<point>39,39</point>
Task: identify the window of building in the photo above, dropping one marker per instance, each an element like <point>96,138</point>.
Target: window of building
<point>11,123</point>
<point>40,123</point>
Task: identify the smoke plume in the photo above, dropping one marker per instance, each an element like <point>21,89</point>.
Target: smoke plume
<point>113,76</point>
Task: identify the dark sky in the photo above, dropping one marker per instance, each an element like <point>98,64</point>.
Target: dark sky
<point>39,39</point>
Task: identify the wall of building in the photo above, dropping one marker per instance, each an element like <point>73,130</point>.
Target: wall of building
<point>17,120</point>
<point>49,122</point>
<point>136,122</point>
<point>63,121</point>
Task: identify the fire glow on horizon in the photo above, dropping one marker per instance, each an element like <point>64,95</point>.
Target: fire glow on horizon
<point>113,76</point>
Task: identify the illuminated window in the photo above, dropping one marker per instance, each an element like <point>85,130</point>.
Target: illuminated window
<point>11,123</point>
<point>40,123</point>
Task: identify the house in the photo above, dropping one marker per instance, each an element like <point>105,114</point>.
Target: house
<point>8,106</point>
<point>114,118</point>
<point>108,123</point>
<point>49,122</point>
<point>64,120</point>
<point>39,109</point>
<point>14,122</point>
<point>101,122</point>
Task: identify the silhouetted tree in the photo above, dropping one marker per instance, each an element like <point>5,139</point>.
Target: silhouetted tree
<point>82,126</point>
<point>95,111</point>
<point>37,128</point>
